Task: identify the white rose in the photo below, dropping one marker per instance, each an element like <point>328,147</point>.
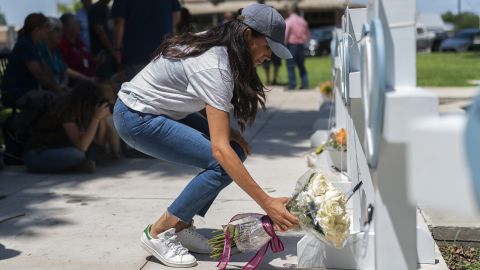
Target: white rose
<point>332,216</point>
<point>334,195</point>
<point>304,199</point>
<point>319,184</point>
<point>318,202</point>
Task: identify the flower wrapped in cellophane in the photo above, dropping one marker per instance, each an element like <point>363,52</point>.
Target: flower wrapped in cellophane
<point>316,202</point>
<point>321,207</point>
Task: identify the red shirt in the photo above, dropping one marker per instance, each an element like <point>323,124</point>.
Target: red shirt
<point>77,57</point>
<point>296,31</point>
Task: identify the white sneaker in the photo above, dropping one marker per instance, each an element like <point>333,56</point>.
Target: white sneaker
<point>167,249</point>
<point>194,241</point>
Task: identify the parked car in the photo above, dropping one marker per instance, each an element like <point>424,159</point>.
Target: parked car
<point>463,40</point>
<point>424,39</point>
<point>433,23</point>
<point>319,43</point>
<point>440,36</point>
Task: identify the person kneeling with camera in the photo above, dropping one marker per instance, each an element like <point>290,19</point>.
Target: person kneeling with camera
<point>65,138</point>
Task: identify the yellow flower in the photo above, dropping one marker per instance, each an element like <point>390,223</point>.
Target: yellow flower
<point>326,87</point>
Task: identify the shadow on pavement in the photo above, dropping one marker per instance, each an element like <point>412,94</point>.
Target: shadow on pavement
<point>281,133</point>
<point>6,253</point>
<point>23,193</point>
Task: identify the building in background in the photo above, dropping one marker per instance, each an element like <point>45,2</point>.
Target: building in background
<point>8,36</point>
<point>317,13</point>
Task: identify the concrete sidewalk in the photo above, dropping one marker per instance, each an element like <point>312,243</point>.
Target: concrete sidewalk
<point>76,221</point>
<point>454,99</point>
<point>95,221</point>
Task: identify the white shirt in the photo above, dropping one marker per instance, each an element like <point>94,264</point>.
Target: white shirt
<point>177,88</point>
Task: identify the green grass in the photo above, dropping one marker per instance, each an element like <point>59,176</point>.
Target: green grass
<point>448,69</point>
<point>318,69</point>
<point>433,69</point>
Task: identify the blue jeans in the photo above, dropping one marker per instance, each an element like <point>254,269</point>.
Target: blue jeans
<point>298,59</point>
<point>184,142</point>
<point>57,160</point>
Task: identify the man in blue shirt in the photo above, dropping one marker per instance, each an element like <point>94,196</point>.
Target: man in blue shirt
<point>140,26</point>
<point>101,39</point>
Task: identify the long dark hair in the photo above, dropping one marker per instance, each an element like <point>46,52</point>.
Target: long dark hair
<point>32,21</point>
<point>248,90</point>
<point>79,105</point>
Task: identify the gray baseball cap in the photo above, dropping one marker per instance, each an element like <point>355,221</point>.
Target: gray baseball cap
<point>267,21</point>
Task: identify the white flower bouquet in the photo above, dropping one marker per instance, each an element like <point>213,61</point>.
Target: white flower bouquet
<point>321,208</point>
<point>316,202</point>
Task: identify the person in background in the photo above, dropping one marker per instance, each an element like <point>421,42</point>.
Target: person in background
<point>27,82</point>
<point>178,109</point>
<point>78,58</point>
<point>28,86</point>
<point>63,138</point>
<point>276,62</point>
<point>82,17</point>
<point>52,57</point>
<point>185,23</point>
<point>111,148</point>
<point>101,39</point>
<point>296,34</point>
<point>75,53</point>
<point>140,26</point>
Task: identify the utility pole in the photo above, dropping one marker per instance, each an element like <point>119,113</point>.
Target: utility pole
<point>459,6</point>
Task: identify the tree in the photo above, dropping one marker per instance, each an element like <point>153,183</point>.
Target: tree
<point>462,20</point>
<point>72,8</point>
<point>3,20</point>
<point>448,17</point>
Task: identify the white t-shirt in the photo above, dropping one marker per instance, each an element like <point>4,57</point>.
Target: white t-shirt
<point>177,88</point>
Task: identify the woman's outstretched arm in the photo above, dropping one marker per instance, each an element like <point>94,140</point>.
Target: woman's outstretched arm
<point>219,126</point>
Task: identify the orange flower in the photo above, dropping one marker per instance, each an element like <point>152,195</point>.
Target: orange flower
<point>326,87</point>
<point>341,137</point>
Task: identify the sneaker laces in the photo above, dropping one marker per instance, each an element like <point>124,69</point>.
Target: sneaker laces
<point>175,245</point>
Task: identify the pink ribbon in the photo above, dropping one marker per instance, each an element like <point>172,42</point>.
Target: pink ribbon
<point>274,243</point>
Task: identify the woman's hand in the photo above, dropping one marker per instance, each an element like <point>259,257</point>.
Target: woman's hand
<point>237,137</point>
<point>282,219</point>
<point>102,111</point>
